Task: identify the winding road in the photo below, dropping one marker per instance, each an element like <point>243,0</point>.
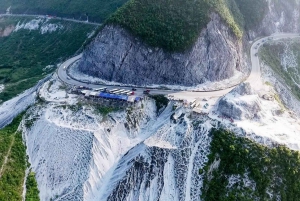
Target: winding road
<point>50,17</point>
<point>254,78</point>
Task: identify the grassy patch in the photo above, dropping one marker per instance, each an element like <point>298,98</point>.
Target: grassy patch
<point>97,10</point>
<point>104,110</point>
<point>223,8</point>
<point>6,137</point>
<point>272,170</point>
<point>277,98</point>
<point>13,173</point>
<point>25,53</point>
<point>32,191</point>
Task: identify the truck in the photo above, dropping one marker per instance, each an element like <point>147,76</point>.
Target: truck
<point>100,89</point>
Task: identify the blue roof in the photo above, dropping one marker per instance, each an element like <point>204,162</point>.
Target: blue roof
<point>113,96</point>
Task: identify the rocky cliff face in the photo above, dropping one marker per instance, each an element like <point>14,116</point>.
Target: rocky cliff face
<point>116,55</point>
<point>282,16</point>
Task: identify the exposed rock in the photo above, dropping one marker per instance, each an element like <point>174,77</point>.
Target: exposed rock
<point>243,89</point>
<point>268,97</point>
<point>116,55</point>
<point>277,112</point>
<point>286,96</point>
<point>240,103</point>
<point>6,31</point>
<point>282,16</point>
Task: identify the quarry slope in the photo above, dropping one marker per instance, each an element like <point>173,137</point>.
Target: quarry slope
<point>137,153</point>
<point>115,55</point>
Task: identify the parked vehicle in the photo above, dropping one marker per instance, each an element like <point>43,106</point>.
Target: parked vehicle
<point>100,89</point>
<point>146,91</point>
<point>133,89</point>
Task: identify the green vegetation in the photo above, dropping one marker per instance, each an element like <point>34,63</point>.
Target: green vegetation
<point>25,53</point>
<point>160,101</point>
<point>175,25</point>
<point>104,110</point>
<point>223,8</point>
<point>98,109</point>
<point>271,53</point>
<point>97,10</point>
<point>272,169</point>
<point>32,192</point>
<point>13,173</point>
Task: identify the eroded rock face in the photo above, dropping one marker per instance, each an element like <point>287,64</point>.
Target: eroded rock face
<point>240,103</point>
<point>116,55</point>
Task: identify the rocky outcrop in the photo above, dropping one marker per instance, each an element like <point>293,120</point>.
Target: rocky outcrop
<point>286,96</point>
<point>6,31</point>
<point>243,89</point>
<point>116,55</point>
<point>240,103</point>
<point>281,16</point>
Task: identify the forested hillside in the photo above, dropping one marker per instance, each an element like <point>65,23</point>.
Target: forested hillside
<point>175,25</point>
<point>239,169</point>
<point>31,48</point>
<point>97,10</point>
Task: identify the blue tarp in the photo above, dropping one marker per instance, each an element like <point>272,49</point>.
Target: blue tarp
<point>113,96</point>
<point>137,98</point>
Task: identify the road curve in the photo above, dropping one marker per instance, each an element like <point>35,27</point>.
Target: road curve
<point>254,78</point>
